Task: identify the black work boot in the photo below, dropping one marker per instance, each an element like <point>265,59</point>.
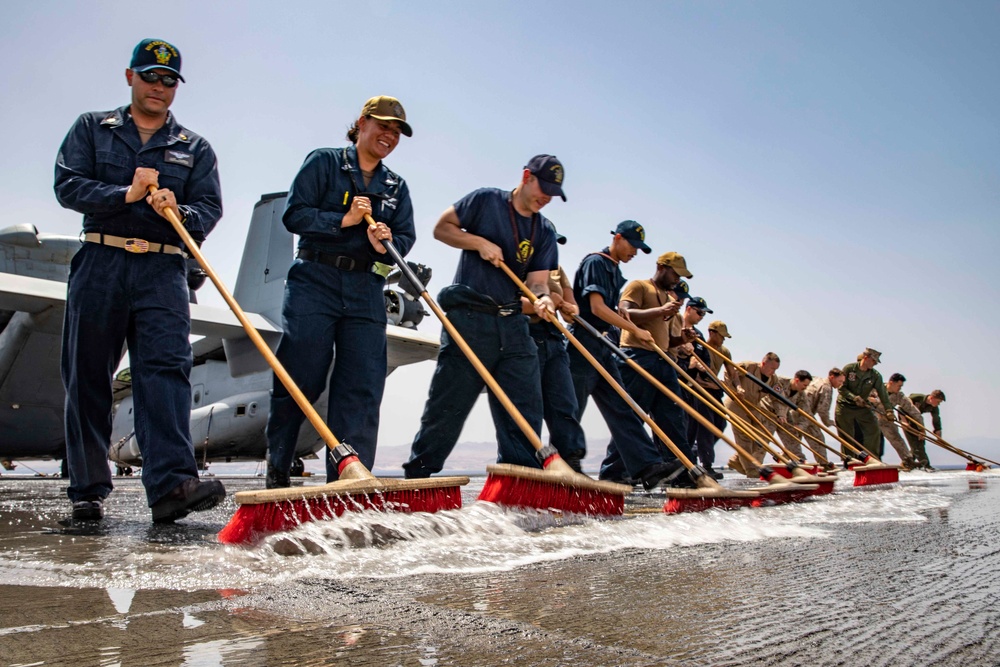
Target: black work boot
<point>191,495</point>
<point>276,479</point>
<point>88,509</point>
<point>664,474</point>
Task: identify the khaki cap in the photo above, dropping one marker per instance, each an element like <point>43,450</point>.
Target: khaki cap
<point>384,107</point>
<point>720,328</point>
<point>873,353</point>
<point>676,262</point>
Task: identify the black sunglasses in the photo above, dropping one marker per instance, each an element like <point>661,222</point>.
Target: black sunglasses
<point>168,80</point>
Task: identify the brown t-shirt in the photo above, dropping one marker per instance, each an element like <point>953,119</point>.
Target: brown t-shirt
<point>645,294</point>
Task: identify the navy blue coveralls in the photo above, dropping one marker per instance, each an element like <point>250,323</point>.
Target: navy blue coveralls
<point>485,307</point>
<point>334,303</point>
<point>631,451</point>
<point>558,396</point>
<point>700,438</point>
<point>116,297</point>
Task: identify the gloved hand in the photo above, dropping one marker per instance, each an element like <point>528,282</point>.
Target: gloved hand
<point>858,401</point>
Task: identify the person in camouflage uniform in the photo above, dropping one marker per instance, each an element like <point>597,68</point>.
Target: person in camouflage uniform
<point>818,399</point>
<point>925,403</point>
<point>794,390</point>
<point>894,387</point>
<point>855,418</point>
<point>750,393</point>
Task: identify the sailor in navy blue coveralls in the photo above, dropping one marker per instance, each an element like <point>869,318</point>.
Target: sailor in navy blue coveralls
<point>631,454</point>
<point>490,226</point>
<point>334,309</point>
<point>128,284</point>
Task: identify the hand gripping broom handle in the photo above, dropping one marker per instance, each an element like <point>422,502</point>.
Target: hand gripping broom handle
<point>501,396</point>
<point>805,414</point>
<point>258,341</point>
<point>685,461</point>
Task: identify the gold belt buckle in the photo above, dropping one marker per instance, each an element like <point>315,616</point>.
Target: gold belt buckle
<point>137,245</point>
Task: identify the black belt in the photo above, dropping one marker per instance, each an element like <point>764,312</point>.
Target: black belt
<point>499,311</point>
<point>342,262</point>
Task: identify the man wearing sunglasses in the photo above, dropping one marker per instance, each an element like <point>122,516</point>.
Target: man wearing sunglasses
<point>128,285</point>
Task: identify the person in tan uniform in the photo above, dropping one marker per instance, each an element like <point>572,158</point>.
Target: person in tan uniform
<point>890,431</point>
<point>750,393</point>
<point>794,389</point>
<point>818,401</point>
<point>652,305</point>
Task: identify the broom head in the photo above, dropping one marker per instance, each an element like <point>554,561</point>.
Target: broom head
<point>779,492</point>
<point>824,483</point>
<point>274,510</point>
<point>875,473</point>
<point>709,494</point>
<point>564,491</point>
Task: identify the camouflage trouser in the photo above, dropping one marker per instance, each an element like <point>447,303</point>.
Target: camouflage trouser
<point>738,462</point>
<point>918,445</point>
<point>791,443</point>
<point>814,436</point>
<point>860,424</point>
<point>891,433</point>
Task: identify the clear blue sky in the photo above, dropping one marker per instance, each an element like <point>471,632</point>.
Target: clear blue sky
<point>830,170</point>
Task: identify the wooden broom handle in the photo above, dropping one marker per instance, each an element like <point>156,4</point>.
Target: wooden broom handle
<point>307,409</point>
<point>501,396</point>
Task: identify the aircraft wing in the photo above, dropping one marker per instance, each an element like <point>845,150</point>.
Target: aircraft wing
<point>30,295</point>
<point>34,295</point>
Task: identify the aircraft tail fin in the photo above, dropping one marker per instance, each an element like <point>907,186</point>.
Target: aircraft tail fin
<point>260,284</point>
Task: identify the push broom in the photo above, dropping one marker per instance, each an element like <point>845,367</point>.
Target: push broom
<point>972,465</point>
<point>790,468</point>
<point>556,486</point>
<point>274,510</point>
<point>865,475</point>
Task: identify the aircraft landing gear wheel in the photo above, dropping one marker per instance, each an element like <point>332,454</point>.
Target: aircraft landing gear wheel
<point>298,467</point>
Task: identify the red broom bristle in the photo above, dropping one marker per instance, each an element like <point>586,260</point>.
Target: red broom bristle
<point>779,470</point>
<point>252,522</point>
<point>872,477</point>
<point>824,488</point>
<point>780,498</point>
<point>679,505</point>
<point>518,492</point>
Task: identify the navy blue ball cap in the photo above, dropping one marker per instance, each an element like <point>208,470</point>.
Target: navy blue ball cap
<point>156,54</point>
<point>549,172</point>
<point>700,304</point>
<point>633,232</point>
